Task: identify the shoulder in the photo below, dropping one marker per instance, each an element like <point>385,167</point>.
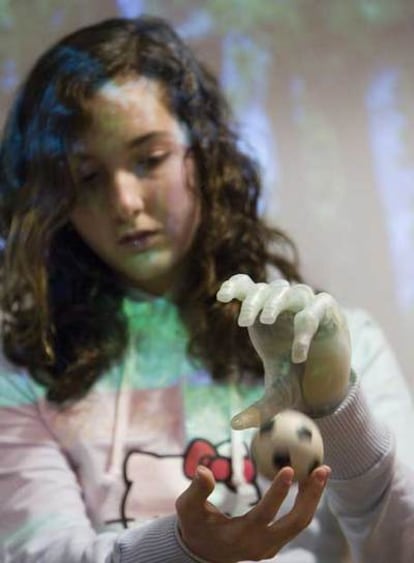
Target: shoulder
<point>362,324</point>
<point>17,388</point>
<point>376,365</point>
<point>367,338</point>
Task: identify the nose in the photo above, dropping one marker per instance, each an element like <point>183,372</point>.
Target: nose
<point>126,197</point>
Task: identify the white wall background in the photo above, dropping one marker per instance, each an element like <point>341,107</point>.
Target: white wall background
<point>324,92</point>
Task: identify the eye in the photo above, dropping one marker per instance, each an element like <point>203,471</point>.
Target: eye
<point>144,166</point>
<point>89,177</point>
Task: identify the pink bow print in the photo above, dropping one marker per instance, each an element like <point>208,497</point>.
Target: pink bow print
<point>202,452</point>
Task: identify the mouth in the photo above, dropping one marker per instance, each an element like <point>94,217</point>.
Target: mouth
<point>138,240</point>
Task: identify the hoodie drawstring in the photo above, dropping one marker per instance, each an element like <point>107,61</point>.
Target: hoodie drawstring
<point>121,419</point>
<point>237,446</point>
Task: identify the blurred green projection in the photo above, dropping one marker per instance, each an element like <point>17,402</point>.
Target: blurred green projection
<point>5,13</point>
<point>290,21</point>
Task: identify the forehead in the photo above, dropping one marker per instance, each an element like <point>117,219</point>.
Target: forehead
<point>124,109</point>
<point>126,95</point>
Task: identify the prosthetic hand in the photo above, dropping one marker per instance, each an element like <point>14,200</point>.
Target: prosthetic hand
<point>303,342</point>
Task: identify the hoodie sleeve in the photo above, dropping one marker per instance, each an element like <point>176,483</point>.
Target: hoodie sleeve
<point>43,518</point>
<point>369,445</point>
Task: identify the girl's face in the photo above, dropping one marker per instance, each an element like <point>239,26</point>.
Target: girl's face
<point>137,206</point>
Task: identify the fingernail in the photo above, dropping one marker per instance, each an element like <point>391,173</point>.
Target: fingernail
<point>287,480</point>
<point>323,477</point>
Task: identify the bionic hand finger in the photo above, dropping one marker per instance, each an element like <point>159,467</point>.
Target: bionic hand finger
<point>285,298</point>
<point>253,304</point>
<point>236,287</point>
<point>307,323</point>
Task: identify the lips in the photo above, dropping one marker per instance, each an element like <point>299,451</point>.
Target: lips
<point>138,239</point>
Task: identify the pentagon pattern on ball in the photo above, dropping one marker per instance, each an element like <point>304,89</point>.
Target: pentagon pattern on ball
<point>304,434</point>
<point>316,463</point>
<point>290,438</point>
<point>268,426</point>
<point>281,460</point>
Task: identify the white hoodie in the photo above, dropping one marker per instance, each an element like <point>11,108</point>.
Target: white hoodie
<point>97,482</point>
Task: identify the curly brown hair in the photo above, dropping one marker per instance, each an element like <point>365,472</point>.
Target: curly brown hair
<point>62,318</point>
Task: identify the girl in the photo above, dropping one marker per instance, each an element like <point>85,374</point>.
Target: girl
<point>125,205</point>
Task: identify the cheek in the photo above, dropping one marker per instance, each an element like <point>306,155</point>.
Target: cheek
<point>80,218</point>
<point>184,202</point>
<point>175,202</point>
<point>88,223</point>
<point>182,213</point>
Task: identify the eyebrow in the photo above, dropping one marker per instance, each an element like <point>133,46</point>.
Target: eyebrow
<point>134,143</point>
<point>144,139</point>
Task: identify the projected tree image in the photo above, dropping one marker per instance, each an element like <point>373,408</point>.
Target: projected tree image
<point>323,92</point>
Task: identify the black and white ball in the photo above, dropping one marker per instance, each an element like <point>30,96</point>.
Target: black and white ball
<point>289,438</point>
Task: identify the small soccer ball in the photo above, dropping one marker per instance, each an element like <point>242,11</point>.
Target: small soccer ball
<point>289,438</point>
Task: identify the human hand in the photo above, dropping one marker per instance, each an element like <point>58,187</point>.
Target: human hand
<point>303,341</point>
<point>217,538</point>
